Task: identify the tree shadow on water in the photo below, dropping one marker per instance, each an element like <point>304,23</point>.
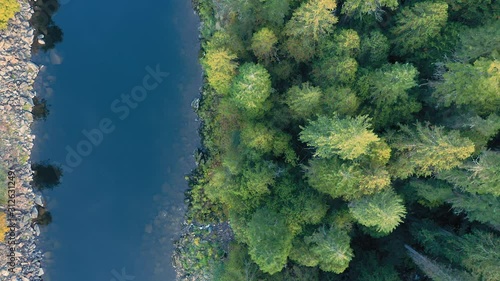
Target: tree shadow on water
<point>47,33</point>
<point>47,176</point>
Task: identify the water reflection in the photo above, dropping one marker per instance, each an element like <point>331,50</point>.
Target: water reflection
<point>47,176</point>
<point>47,33</point>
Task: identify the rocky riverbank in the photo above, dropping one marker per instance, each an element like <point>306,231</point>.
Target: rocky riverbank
<point>17,76</point>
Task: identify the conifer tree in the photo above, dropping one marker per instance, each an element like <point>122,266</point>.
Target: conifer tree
<point>426,149</point>
<point>347,137</point>
<point>383,210</point>
<point>417,24</point>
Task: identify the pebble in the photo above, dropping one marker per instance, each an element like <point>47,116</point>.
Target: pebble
<point>17,76</point>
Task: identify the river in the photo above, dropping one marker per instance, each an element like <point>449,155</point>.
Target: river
<point>119,87</point>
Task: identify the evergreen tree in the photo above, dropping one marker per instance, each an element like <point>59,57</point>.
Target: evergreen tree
<point>434,270</point>
<point>304,100</point>
<point>374,49</point>
<point>386,89</point>
<point>418,24</point>
<point>481,176</point>
<point>250,88</point>
<point>347,137</point>
<point>309,23</point>
<point>221,68</point>
<point>269,240</point>
<point>383,210</point>
<point>426,149</point>
<point>475,86</point>
<point>359,8</point>
<point>264,44</point>
<point>340,179</point>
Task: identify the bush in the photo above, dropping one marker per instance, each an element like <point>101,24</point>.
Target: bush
<point>9,9</point>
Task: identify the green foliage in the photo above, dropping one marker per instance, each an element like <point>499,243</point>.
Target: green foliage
<point>309,23</point>
<point>426,149</point>
<point>269,240</point>
<point>263,44</point>
<point>275,11</point>
<point>336,64</point>
<point>372,269</point>
<point>340,179</point>
<point>349,138</point>
<point>314,130</point>
<point>9,9</point>
<point>359,8</point>
<point>481,208</point>
<point>481,254</point>
<point>479,41</point>
<point>418,24</point>
<point>478,251</point>
<point>481,176</point>
<point>475,86</point>
<point>386,89</point>
<point>374,49</point>
<point>250,88</point>
<point>221,68</point>
<point>383,210</point>
<point>434,270</point>
<point>331,247</point>
<point>340,100</point>
<point>304,100</point>
<point>327,247</point>
<point>238,266</point>
<point>300,204</point>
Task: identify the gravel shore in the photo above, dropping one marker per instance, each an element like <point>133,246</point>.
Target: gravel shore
<point>17,76</point>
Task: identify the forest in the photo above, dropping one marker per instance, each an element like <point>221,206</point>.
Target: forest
<point>351,139</point>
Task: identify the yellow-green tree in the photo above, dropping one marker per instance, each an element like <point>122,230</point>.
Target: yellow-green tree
<point>347,137</point>
<point>264,44</point>
<point>417,24</point>
<point>309,23</point>
<point>426,149</point>
<point>9,9</point>
<point>250,88</point>
<point>269,240</point>
<point>358,8</point>
<point>383,210</point>
<point>304,100</point>
<point>221,68</point>
<point>475,86</point>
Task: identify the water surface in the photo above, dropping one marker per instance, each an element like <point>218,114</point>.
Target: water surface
<point>121,206</point>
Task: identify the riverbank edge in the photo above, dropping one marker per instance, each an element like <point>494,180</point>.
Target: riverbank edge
<point>202,245</point>
<point>17,77</point>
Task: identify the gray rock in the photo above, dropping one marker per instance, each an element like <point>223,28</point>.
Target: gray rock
<point>34,213</point>
<point>38,200</point>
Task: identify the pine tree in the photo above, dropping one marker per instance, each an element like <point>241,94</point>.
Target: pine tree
<point>475,86</point>
<point>264,44</point>
<point>347,137</point>
<point>221,68</point>
<point>304,100</point>
<point>481,176</point>
<point>418,24</point>
<point>327,247</point>
<point>386,89</point>
<point>250,88</point>
<point>309,23</point>
<point>359,8</point>
<point>383,210</point>
<point>340,179</point>
<point>269,240</point>
<point>434,270</point>
<point>426,149</point>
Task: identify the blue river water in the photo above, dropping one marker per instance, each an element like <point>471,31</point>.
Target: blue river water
<point>119,87</point>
